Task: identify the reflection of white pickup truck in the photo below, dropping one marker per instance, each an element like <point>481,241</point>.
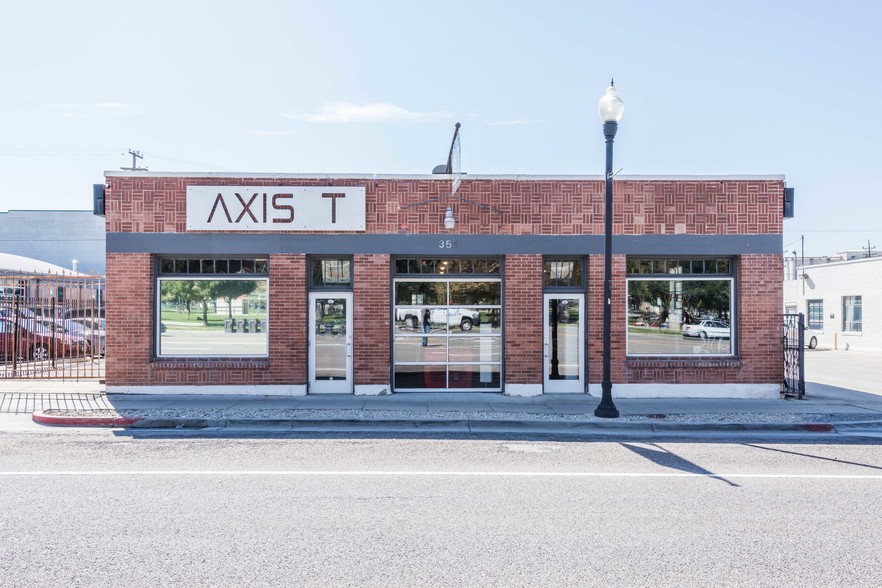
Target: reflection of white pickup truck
<point>463,318</point>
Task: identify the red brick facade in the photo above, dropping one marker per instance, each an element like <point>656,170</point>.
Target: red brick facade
<point>152,204</point>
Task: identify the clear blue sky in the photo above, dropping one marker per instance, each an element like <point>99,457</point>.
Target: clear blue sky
<point>786,87</point>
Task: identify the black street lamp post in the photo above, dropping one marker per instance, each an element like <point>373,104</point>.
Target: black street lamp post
<point>610,109</point>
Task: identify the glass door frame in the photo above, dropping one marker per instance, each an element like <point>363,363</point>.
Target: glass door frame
<point>343,385</point>
<point>563,386</point>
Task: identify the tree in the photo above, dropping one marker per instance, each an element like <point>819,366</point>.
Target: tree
<point>231,289</point>
<point>189,292</point>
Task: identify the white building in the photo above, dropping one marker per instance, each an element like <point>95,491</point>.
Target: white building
<point>840,298</point>
<point>55,236</point>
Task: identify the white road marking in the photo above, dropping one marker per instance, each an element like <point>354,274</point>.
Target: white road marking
<point>414,473</point>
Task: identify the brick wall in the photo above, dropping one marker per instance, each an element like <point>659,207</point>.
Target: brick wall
<point>372,320</point>
<point>129,340</point>
<point>561,207</point>
<point>523,319</point>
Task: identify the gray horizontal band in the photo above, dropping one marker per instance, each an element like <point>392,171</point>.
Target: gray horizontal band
<point>217,244</point>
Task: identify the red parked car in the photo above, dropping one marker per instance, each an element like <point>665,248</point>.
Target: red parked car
<point>37,342</point>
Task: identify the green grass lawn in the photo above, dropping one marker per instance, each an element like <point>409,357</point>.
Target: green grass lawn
<point>215,321</point>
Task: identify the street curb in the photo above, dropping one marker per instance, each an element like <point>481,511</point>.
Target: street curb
<point>42,418</point>
<point>429,425</point>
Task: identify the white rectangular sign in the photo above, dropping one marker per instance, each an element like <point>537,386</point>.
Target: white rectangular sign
<point>275,208</point>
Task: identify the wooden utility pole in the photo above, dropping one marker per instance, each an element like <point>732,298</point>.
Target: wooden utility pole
<point>136,155</point>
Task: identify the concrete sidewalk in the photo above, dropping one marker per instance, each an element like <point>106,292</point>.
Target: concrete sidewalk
<point>843,394</point>
<point>825,408</point>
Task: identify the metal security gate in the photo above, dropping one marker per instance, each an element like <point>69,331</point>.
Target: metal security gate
<point>794,355</point>
<point>51,326</point>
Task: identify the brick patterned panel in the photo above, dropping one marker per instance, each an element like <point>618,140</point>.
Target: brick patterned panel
<point>547,207</point>
<point>523,319</point>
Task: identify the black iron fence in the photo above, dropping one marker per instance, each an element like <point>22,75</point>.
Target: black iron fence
<point>51,326</point>
<point>794,355</point>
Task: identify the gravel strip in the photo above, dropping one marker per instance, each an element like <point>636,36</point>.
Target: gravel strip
<point>439,415</point>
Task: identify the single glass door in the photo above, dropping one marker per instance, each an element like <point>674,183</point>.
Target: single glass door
<point>330,345</point>
<point>564,349</point>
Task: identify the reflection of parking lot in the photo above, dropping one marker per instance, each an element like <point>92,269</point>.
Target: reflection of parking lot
<point>330,357</point>
<point>442,349</point>
<point>174,342</point>
<point>659,344</point>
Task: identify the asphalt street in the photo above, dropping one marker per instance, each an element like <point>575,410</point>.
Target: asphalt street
<point>99,507</point>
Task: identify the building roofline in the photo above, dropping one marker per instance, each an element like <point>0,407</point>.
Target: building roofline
<point>505,177</point>
<point>808,268</point>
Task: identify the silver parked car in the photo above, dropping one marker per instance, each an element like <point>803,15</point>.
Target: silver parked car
<point>85,329</point>
<point>708,329</point>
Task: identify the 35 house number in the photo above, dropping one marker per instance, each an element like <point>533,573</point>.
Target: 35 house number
<point>446,244</point>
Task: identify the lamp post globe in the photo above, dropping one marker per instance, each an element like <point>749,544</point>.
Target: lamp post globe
<point>610,109</point>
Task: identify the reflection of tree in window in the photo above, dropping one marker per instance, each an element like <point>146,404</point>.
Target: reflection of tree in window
<point>203,293</point>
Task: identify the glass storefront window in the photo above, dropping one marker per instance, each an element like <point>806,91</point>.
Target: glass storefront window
<point>212,317</point>
<point>680,317</point>
<point>447,334</point>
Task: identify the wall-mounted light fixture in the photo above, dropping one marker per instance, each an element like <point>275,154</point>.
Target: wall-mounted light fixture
<point>449,221</point>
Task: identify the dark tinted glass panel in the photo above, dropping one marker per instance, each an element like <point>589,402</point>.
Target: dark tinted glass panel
<point>563,273</point>
<point>167,266</point>
<point>474,376</point>
<point>678,266</point>
<point>331,272</point>
<point>207,266</point>
<point>420,376</point>
<point>417,293</point>
<point>475,292</point>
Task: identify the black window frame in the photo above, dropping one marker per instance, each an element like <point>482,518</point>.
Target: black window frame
<point>314,260</point>
<point>721,268</point>
<point>583,268</point>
